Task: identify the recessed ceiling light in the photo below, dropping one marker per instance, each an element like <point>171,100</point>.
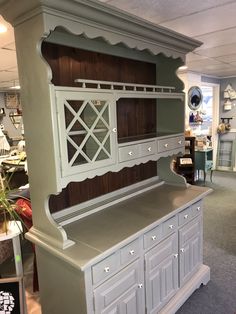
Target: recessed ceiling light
<point>15,87</point>
<point>184,67</point>
<point>3,28</point>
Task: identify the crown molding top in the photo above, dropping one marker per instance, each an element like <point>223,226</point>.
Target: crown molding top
<point>97,19</point>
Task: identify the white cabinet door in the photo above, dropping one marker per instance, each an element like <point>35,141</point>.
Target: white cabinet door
<point>161,273</point>
<point>123,293</point>
<point>190,245</point>
<point>87,130</point>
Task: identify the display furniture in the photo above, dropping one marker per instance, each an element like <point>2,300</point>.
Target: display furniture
<point>204,161</point>
<point>116,230</point>
<point>185,164</point>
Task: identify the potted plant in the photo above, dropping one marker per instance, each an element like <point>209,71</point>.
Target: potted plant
<point>9,210</point>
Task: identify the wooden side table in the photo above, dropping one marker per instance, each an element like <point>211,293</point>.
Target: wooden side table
<point>204,161</point>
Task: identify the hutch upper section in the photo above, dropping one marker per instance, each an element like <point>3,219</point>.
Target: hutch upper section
<point>99,92</point>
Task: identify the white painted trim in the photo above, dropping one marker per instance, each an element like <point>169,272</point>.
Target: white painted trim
<point>215,118</point>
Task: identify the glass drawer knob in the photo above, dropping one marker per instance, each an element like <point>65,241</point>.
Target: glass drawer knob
<point>131,252</point>
<point>114,130</point>
<point>185,216</point>
<point>130,153</point>
<point>149,149</point>
<point>107,269</point>
<point>166,145</point>
<point>198,208</point>
<point>176,255</point>
<point>154,238</point>
<point>182,250</point>
<point>171,226</point>
<point>180,142</point>
<point>140,285</point>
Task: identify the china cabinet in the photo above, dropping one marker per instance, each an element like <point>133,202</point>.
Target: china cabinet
<point>116,229</point>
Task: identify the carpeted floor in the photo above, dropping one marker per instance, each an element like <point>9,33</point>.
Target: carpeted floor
<point>219,296</point>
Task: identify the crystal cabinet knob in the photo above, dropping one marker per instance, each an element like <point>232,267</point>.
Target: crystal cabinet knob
<point>198,208</point>
<point>140,285</point>
<point>154,238</point>
<point>130,153</point>
<point>171,226</point>
<point>176,255</point>
<point>166,145</point>
<point>180,142</point>
<point>149,149</point>
<point>182,250</point>
<point>131,252</point>
<point>114,130</point>
<point>185,216</point>
<point>107,269</point>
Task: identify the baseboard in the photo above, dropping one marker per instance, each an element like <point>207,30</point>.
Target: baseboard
<point>201,277</point>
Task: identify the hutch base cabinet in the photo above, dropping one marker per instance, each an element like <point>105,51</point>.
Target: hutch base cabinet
<point>116,230</point>
<point>144,255</point>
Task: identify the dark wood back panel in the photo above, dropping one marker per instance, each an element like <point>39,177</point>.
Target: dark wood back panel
<point>135,116</point>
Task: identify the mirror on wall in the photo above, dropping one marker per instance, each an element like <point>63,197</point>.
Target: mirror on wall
<point>195,98</point>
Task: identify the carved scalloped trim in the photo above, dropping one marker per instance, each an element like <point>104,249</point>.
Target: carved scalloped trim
<point>78,177</point>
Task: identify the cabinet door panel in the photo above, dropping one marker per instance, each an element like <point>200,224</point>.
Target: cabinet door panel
<point>161,273</point>
<point>190,245</point>
<point>86,126</point>
<point>124,290</point>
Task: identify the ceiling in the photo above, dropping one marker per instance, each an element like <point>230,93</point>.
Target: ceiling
<point>212,22</point>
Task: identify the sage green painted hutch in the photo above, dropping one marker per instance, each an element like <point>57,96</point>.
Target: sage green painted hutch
<point>116,229</point>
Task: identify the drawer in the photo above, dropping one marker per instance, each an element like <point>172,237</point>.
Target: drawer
<point>152,237</point>
<point>178,141</point>
<point>147,149</point>
<point>130,252</point>
<point>128,152</point>
<point>104,268</point>
<point>196,209</point>
<point>185,216</point>
<point>170,143</point>
<point>169,226</point>
<point>164,145</point>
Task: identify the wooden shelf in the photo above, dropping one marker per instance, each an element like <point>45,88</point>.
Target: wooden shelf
<point>187,170</point>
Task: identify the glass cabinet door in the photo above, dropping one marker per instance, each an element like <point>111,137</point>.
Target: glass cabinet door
<point>87,130</point>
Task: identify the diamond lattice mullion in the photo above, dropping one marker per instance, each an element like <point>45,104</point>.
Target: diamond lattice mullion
<point>76,114</point>
<point>78,151</point>
<point>101,147</point>
<point>100,113</point>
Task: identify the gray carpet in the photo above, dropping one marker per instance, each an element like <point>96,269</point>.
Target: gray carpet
<point>219,295</point>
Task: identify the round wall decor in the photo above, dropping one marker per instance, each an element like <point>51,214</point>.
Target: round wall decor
<point>194,97</point>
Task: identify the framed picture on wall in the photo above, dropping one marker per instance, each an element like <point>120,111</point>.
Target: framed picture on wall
<point>11,296</point>
<point>12,100</point>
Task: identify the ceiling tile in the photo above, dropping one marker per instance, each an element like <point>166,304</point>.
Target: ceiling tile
<point>7,59</point>
<point>218,51</point>
<point>210,20</point>
<point>228,58</point>
<point>218,38</point>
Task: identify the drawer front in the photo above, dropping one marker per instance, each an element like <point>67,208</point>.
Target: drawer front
<point>130,252</point>
<point>169,226</point>
<point>178,141</point>
<point>164,145</point>
<point>105,268</point>
<point>185,216</point>
<point>196,209</point>
<point>152,237</point>
<point>128,152</point>
<point>147,149</point>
